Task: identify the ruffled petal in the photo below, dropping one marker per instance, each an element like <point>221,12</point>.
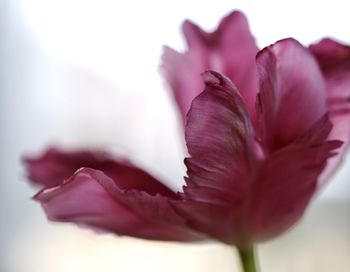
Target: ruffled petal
<point>288,179</point>
<point>230,49</point>
<point>90,198</point>
<point>220,142</point>
<point>219,136</point>
<point>54,166</point>
<point>334,60</point>
<point>292,93</point>
<point>232,192</point>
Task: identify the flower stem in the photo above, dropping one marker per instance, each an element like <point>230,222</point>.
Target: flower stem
<point>247,257</point>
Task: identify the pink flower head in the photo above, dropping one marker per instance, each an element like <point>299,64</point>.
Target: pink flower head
<point>250,172</point>
<point>231,50</point>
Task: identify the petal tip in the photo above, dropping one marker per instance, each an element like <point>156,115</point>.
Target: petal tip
<point>213,78</point>
<point>278,47</point>
<point>235,15</point>
<point>188,24</point>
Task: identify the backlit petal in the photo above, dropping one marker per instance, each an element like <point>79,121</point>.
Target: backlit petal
<point>219,138</point>
<point>230,49</point>
<point>183,76</point>
<point>287,180</point>
<point>292,93</point>
<point>54,166</point>
<point>232,192</point>
<point>90,198</point>
<point>334,60</point>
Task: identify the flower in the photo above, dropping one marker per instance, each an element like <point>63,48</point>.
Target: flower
<point>231,50</point>
<point>250,173</point>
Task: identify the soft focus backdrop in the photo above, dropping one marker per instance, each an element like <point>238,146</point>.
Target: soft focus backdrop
<point>80,73</point>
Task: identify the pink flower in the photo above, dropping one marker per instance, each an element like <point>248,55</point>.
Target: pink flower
<point>231,50</point>
<point>250,173</point>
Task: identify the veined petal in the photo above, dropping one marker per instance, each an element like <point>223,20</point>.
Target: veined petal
<point>292,93</point>
<point>219,138</point>
<point>334,60</point>
<point>223,223</point>
<point>54,166</point>
<point>288,179</point>
<point>230,50</point>
<point>231,192</point>
<point>90,198</point>
<point>219,135</point>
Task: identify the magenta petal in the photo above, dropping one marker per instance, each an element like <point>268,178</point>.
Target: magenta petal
<point>332,56</point>
<point>238,49</point>
<point>219,138</point>
<point>292,93</point>
<point>334,60</point>
<point>223,223</point>
<point>288,179</point>
<point>183,75</point>
<point>92,199</point>
<point>231,192</point>
<point>230,49</point>
<point>54,166</point>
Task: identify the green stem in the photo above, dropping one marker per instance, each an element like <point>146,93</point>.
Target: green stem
<point>247,257</point>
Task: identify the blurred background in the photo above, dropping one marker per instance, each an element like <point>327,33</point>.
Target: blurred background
<point>80,73</point>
